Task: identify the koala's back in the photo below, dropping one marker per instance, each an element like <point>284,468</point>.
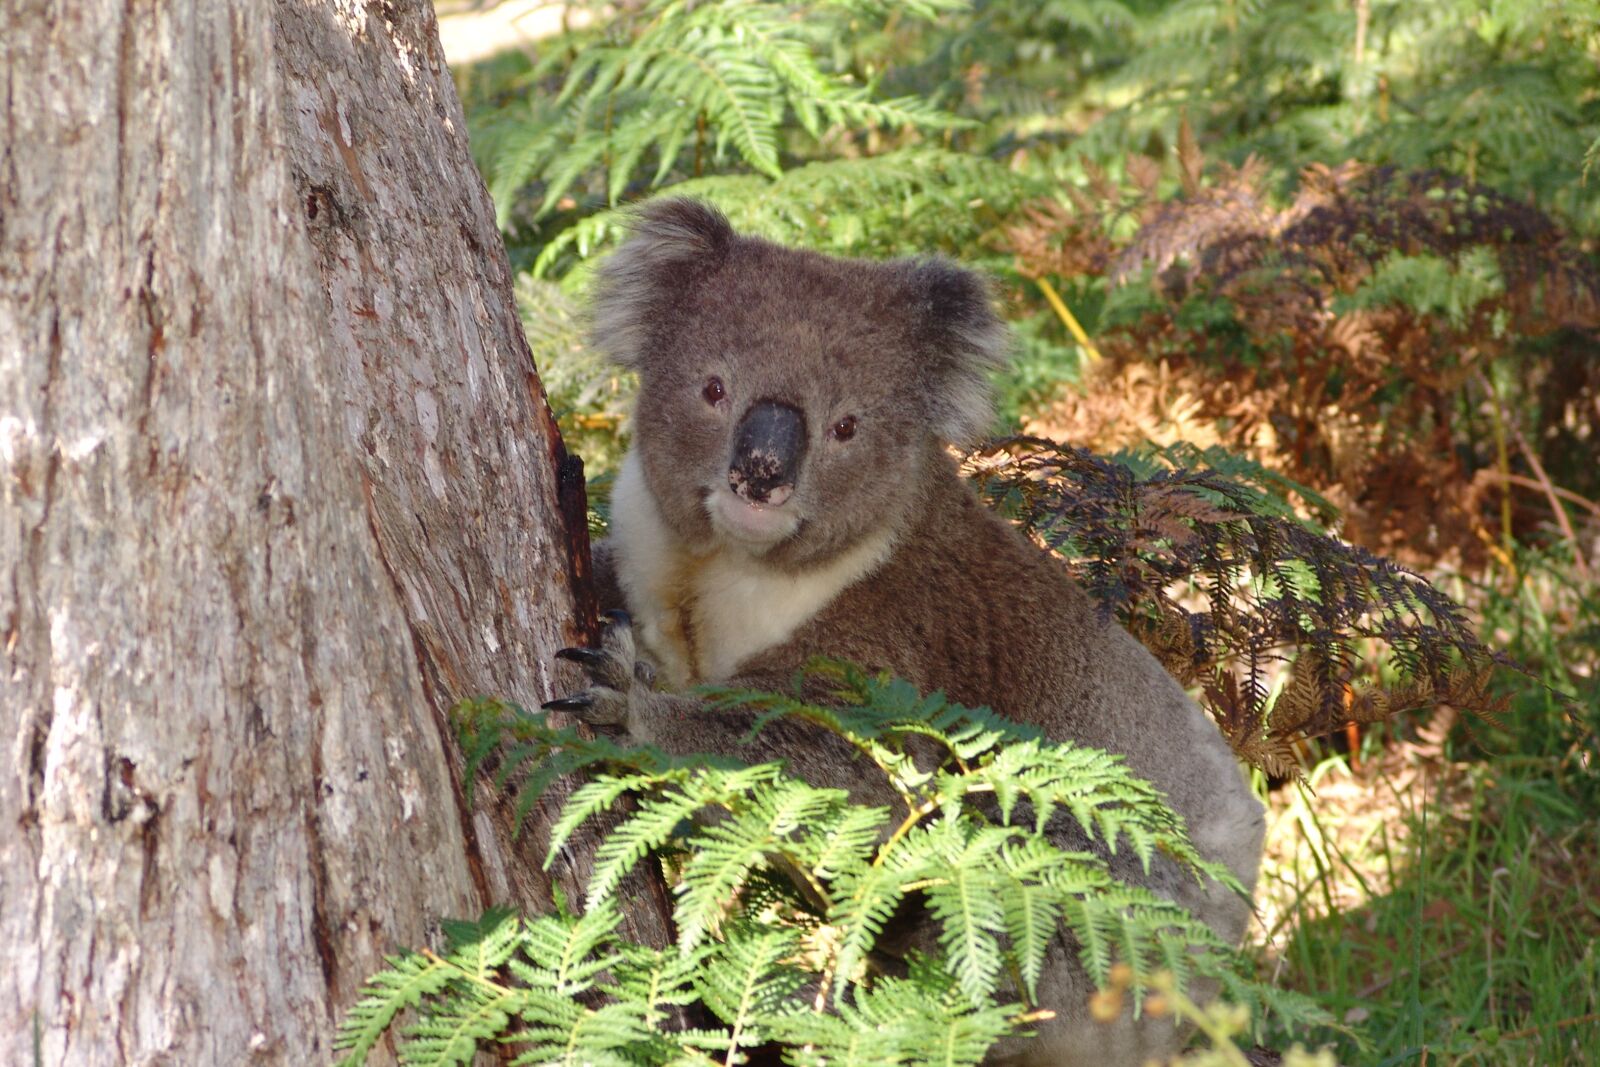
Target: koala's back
<point>966,604</point>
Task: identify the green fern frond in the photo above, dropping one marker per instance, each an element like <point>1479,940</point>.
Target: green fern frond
<point>453,1031</point>
<point>784,892</point>
<point>921,1019</point>
<point>649,828</point>
<point>772,822</point>
<point>658,980</point>
<point>968,902</point>
<point>853,833</point>
<point>924,198</point>
<point>1431,285</point>
<point>748,984</point>
<point>404,984</point>
<point>1039,876</point>
<point>569,954</point>
<point>725,74</point>
<point>866,895</point>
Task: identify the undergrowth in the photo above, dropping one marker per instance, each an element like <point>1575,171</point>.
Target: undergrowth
<point>783,894</point>
<point>1392,339</point>
<point>1436,886</point>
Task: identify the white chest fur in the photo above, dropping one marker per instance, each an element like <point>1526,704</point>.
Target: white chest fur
<point>702,610</point>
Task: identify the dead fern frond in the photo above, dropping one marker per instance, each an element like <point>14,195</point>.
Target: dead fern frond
<point>1212,569</point>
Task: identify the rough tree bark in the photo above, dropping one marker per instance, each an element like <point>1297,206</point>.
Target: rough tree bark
<point>277,485</point>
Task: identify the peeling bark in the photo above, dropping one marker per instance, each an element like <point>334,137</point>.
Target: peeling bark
<point>278,485</point>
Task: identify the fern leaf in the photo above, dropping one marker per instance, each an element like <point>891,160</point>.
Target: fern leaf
<point>747,983</point>
<point>971,911</point>
<point>404,984</point>
<point>452,1032</point>
<point>920,1019</point>
<point>866,899</point>
<point>566,956</point>
<point>656,820</point>
<point>722,855</point>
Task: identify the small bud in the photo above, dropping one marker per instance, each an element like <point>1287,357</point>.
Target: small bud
<point>1105,1006</point>
<point>1156,1006</point>
<point>1121,976</point>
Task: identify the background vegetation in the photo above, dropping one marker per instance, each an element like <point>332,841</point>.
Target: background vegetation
<point>1348,243</point>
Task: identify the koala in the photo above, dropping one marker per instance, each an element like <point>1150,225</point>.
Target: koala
<point>789,493</point>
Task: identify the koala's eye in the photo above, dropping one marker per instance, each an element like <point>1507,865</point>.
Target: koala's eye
<point>844,429</point>
<point>713,391</point>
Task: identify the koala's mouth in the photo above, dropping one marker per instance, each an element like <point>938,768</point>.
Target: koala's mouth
<point>752,525</point>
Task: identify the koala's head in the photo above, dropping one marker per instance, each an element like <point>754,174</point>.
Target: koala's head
<point>790,403</point>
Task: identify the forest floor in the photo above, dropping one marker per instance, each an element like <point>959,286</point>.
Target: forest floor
<point>1440,891</point>
<point>1440,905</point>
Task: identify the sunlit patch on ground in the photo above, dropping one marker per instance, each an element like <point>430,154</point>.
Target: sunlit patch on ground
<point>1439,905</point>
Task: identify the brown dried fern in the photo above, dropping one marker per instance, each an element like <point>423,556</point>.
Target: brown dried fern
<point>1295,362</point>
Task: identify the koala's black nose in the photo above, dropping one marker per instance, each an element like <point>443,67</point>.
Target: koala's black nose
<point>767,448</point>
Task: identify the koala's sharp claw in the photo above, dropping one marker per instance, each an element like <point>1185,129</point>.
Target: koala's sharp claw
<point>614,672</point>
<point>605,666</point>
<point>587,658</point>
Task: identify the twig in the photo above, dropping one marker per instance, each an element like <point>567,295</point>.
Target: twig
<point>1565,494</point>
<point>1502,424</point>
<point>1535,1031</point>
<point>1070,320</point>
<point>1555,504</point>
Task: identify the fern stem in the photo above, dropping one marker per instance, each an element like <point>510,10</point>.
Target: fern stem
<point>605,160</point>
<point>1549,488</point>
<point>809,887</point>
<point>900,831</point>
<point>463,973</point>
<point>1363,14</point>
<point>1503,459</point>
<point>905,827</point>
<point>1070,320</point>
<point>699,142</point>
<point>1565,494</point>
<point>1021,985</point>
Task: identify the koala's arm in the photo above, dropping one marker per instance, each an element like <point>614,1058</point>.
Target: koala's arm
<point>621,696</point>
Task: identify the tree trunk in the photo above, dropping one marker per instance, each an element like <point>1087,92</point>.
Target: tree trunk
<point>278,484</point>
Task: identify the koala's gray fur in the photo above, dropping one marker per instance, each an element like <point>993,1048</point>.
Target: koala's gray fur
<point>874,550</point>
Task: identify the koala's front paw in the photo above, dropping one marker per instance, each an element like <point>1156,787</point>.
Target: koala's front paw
<point>619,676</point>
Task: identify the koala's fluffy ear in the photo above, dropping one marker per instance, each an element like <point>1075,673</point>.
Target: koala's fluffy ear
<point>963,340</point>
<point>673,243</point>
